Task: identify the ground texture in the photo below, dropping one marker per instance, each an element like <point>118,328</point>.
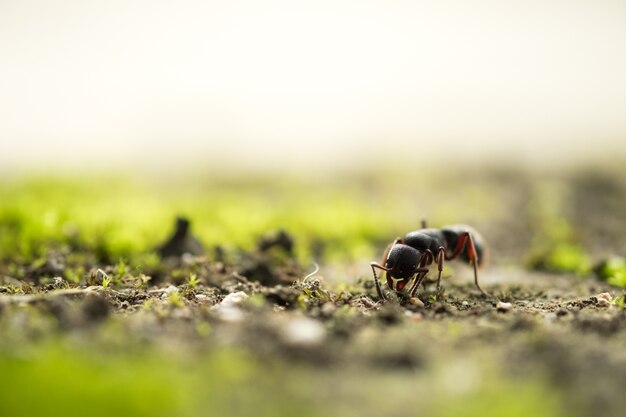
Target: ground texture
<point>253,332</point>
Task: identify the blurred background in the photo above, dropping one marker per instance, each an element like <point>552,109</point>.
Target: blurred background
<point>274,85</point>
<point>292,133</point>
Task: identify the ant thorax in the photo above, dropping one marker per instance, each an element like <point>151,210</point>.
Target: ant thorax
<point>426,239</point>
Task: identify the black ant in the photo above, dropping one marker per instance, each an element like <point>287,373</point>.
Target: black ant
<point>410,256</point>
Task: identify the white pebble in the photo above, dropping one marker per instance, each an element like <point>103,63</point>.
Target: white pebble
<point>169,291</point>
<point>303,331</point>
<point>228,310</point>
<point>503,307</point>
<point>416,302</point>
<point>234,299</point>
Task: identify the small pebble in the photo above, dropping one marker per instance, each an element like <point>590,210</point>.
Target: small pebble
<point>234,299</point>
<point>416,302</point>
<point>604,300</point>
<point>503,307</point>
<point>168,291</point>
<point>413,316</point>
<point>228,310</point>
<point>304,331</point>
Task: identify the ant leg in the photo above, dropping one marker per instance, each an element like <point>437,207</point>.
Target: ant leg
<point>467,242</point>
<point>385,256</point>
<point>374,265</point>
<point>424,224</point>
<point>418,280</point>
<point>376,282</point>
<point>421,274</point>
<point>474,258</point>
<point>426,259</point>
<point>441,253</point>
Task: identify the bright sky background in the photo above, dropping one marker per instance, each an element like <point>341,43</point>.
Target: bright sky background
<point>156,83</point>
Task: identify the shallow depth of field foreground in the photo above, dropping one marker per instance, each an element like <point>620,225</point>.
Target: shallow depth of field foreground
<point>105,310</point>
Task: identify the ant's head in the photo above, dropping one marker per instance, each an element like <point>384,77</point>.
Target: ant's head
<point>402,261</point>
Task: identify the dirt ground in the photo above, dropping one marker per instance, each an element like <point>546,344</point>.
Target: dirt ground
<point>562,327</point>
<point>554,340</point>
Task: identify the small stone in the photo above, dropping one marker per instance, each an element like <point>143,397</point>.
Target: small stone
<point>169,291</point>
<point>228,310</point>
<point>416,302</point>
<point>413,316</point>
<point>304,331</point>
<point>602,300</point>
<point>503,307</point>
<point>234,299</point>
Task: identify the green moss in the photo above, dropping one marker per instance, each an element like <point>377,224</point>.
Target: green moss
<point>54,381</point>
<point>567,257</point>
<point>124,219</point>
<point>613,271</point>
<point>554,245</point>
<point>511,399</point>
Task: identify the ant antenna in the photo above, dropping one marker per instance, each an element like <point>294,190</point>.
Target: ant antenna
<point>424,223</point>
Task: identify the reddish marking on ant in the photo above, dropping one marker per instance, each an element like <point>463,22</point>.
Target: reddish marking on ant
<point>409,257</point>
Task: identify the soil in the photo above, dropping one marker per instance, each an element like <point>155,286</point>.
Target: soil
<point>561,326</point>
<point>569,330</point>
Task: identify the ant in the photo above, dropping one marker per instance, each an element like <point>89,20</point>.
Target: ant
<point>410,256</point>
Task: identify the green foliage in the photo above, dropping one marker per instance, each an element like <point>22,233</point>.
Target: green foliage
<point>554,245</point>
<point>146,382</point>
<point>343,217</point>
<point>106,280</point>
<point>175,299</point>
<point>118,219</point>
<point>567,257</point>
<point>193,281</point>
<point>511,399</point>
<point>613,271</point>
<point>620,302</point>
